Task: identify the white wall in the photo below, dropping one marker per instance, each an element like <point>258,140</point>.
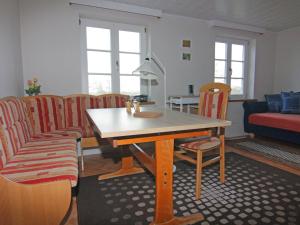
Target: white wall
<point>10,49</point>
<point>51,48</point>
<point>287,66</point>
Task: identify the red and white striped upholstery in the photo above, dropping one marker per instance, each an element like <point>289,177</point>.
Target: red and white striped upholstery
<point>3,159</point>
<point>112,100</point>
<point>28,158</point>
<point>47,115</point>
<point>43,167</point>
<point>212,104</point>
<point>14,125</point>
<point>76,106</point>
<point>75,112</point>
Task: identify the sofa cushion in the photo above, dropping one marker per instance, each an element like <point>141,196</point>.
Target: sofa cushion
<point>14,123</point>
<point>61,166</point>
<point>75,112</point>
<point>112,100</point>
<point>290,103</point>
<point>42,163</point>
<point>289,122</point>
<point>274,102</point>
<point>3,159</point>
<point>46,113</point>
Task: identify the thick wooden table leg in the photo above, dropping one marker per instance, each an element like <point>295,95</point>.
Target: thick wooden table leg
<point>127,168</point>
<point>164,150</point>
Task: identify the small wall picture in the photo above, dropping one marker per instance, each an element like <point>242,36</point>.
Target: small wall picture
<point>186,56</point>
<point>186,43</point>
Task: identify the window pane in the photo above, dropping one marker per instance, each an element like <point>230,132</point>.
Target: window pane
<point>237,52</point>
<point>220,80</point>
<point>98,38</point>
<point>236,86</point>
<point>129,62</point>
<point>130,85</point>
<point>220,50</point>
<point>99,84</point>
<point>220,68</point>
<point>129,41</point>
<point>99,62</point>
<point>237,69</point>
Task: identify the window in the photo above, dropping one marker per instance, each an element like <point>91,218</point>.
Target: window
<point>111,52</point>
<point>231,65</point>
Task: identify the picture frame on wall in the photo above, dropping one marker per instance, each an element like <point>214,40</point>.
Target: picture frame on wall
<point>186,43</point>
<point>186,56</point>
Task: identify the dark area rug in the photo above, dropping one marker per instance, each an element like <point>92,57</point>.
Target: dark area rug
<point>286,154</point>
<point>254,193</point>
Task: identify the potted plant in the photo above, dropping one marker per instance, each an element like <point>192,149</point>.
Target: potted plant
<point>33,87</point>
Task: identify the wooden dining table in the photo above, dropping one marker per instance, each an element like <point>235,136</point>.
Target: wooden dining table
<point>124,129</point>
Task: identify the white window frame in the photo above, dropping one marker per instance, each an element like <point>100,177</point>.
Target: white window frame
<point>229,42</point>
<point>115,70</point>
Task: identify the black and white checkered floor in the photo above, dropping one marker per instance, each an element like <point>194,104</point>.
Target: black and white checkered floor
<point>254,193</point>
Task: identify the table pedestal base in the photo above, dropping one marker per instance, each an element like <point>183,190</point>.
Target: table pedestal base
<point>184,220</point>
<point>127,168</point>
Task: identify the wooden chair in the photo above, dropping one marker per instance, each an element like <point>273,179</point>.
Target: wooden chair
<point>213,103</point>
<point>34,204</point>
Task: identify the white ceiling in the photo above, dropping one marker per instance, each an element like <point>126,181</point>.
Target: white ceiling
<point>275,15</point>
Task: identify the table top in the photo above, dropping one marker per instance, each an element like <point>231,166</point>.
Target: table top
<point>117,122</point>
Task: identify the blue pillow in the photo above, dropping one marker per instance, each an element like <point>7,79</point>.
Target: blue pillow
<point>274,102</point>
<point>290,103</point>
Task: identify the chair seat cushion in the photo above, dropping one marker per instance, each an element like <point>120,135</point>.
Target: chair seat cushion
<point>206,144</point>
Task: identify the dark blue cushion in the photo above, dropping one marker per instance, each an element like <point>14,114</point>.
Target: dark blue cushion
<point>274,102</point>
<point>290,102</point>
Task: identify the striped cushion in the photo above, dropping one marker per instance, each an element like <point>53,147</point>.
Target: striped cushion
<point>3,159</point>
<point>59,165</point>
<point>202,144</point>
<point>46,113</point>
<point>112,100</point>
<point>212,104</point>
<point>15,127</point>
<point>75,112</point>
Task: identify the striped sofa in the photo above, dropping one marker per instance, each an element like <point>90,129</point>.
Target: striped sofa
<point>39,134</point>
<point>30,158</point>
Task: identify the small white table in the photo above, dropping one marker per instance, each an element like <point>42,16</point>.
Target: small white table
<point>123,128</point>
<point>183,100</point>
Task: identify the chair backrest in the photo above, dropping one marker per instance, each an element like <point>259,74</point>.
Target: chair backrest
<point>214,100</point>
<point>46,113</point>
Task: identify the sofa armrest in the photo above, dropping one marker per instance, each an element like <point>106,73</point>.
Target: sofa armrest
<point>251,107</point>
<point>34,204</point>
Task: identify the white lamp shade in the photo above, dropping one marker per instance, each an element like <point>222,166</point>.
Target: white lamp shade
<point>147,70</point>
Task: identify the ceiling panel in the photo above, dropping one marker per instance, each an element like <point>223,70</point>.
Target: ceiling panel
<point>275,15</point>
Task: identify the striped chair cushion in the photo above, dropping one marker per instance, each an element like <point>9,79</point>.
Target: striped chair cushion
<point>205,144</point>
<point>46,113</point>
<point>75,112</point>
<point>112,100</point>
<point>212,104</point>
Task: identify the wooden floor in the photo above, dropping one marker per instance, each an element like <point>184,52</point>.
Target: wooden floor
<point>101,164</point>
